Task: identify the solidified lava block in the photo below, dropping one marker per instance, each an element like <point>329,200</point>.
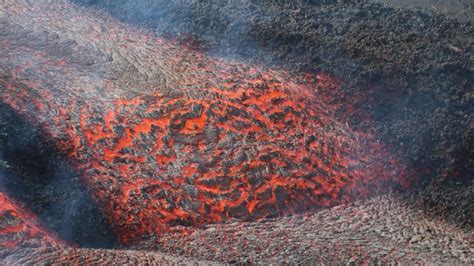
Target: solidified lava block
<point>164,135</point>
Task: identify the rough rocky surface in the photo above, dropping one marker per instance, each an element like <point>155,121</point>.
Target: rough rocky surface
<point>458,9</point>
<point>75,75</point>
<point>81,256</point>
<point>387,229</point>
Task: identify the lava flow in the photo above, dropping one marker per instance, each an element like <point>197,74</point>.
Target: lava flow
<point>164,135</point>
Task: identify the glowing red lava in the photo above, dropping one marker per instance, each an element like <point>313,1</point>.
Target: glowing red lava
<point>225,140</point>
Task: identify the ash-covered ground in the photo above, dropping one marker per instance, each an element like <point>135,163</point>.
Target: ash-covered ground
<point>406,78</point>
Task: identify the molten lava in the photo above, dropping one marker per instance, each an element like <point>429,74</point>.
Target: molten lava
<point>192,139</point>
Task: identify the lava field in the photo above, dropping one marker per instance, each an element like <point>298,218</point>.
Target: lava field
<point>122,145</point>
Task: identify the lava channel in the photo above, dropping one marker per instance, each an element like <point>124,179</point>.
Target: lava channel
<point>166,136</point>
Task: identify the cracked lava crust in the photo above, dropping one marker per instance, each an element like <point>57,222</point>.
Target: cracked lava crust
<point>167,138</point>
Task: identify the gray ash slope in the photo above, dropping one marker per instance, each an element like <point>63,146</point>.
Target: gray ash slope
<point>419,66</point>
